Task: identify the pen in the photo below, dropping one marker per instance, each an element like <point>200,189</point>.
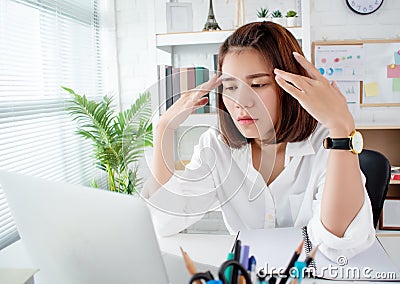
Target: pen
<point>295,256</point>
<point>236,256</point>
<point>234,243</point>
<point>252,268</point>
<point>244,256</point>
<point>228,271</point>
<point>244,260</point>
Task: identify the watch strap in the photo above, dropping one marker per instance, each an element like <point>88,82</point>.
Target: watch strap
<point>337,143</point>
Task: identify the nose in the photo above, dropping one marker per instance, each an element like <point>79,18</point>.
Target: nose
<point>244,97</point>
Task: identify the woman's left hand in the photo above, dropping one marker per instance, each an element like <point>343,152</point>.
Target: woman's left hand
<point>319,97</point>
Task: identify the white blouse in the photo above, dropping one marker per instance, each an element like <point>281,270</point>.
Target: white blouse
<point>219,176</point>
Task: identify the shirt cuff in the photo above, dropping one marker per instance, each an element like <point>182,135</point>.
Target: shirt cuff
<point>359,235</point>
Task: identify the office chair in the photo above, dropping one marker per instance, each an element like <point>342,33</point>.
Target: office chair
<point>376,168</point>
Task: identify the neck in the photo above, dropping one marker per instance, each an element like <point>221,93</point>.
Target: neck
<point>281,147</point>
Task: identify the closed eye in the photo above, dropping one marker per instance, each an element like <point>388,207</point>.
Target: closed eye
<point>230,88</point>
<point>258,85</point>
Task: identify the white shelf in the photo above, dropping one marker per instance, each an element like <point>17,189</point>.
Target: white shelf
<point>196,38</point>
<point>192,38</point>
<point>377,127</point>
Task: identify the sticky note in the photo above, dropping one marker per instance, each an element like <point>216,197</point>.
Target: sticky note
<point>371,89</point>
<point>396,84</point>
<point>393,71</point>
<point>397,57</point>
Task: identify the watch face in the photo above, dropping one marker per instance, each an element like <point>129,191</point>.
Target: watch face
<point>357,142</point>
<point>364,7</point>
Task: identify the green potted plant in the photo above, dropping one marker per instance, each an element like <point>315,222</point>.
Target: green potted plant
<point>291,18</point>
<point>277,17</point>
<point>118,139</point>
<point>262,14</point>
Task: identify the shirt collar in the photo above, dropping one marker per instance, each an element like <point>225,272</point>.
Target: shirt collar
<point>301,148</point>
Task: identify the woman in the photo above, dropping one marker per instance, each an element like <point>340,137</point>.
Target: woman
<point>267,167</point>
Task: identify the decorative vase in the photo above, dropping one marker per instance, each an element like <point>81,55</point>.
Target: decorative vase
<point>262,19</point>
<point>291,22</point>
<point>280,21</point>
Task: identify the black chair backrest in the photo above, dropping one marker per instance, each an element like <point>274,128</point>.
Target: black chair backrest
<point>376,168</point>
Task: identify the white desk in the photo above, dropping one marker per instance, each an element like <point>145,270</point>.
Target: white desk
<point>391,243</point>
<point>213,249</point>
<point>17,276</point>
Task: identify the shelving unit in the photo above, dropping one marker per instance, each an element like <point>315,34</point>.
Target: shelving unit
<point>384,139</point>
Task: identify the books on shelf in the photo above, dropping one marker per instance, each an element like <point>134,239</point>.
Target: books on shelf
<point>395,173</point>
<point>172,81</point>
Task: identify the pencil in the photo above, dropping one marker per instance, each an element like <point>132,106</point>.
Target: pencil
<point>295,256</point>
<point>307,262</point>
<point>191,268</point>
<point>311,256</point>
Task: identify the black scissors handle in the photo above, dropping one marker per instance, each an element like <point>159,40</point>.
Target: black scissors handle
<point>206,276</point>
<point>238,266</point>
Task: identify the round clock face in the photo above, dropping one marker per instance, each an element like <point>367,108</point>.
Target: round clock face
<point>364,7</point>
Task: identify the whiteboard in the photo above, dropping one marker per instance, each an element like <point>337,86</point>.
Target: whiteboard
<point>381,84</point>
<point>377,69</point>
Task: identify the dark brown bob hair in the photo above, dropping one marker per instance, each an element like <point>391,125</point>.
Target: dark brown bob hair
<point>276,45</point>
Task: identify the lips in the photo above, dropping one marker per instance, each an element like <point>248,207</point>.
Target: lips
<point>246,120</point>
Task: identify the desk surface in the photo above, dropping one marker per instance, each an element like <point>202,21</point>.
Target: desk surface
<point>212,249</point>
<point>16,276</point>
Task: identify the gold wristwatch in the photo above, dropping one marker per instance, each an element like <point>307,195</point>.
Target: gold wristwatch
<point>353,143</point>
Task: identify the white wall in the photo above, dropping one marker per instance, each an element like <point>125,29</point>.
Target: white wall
<point>135,22</point>
<point>333,20</point>
<point>139,21</point>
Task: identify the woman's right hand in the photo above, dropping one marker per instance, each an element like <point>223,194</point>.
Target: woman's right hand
<point>187,103</point>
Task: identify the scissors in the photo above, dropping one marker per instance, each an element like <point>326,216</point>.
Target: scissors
<point>207,276</point>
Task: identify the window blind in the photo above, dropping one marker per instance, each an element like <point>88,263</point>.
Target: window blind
<point>44,45</point>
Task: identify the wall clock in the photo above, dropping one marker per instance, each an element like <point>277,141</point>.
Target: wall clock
<point>364,7</point>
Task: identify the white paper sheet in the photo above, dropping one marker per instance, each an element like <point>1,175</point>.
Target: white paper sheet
<point>273,249</point>
<point>340,62</point>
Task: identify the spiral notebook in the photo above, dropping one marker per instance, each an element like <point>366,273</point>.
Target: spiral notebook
<point>273,249</point>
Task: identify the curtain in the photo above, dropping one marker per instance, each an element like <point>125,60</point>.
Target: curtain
<point>45,45</point>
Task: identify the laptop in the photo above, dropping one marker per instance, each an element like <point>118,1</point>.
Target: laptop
<point>75,234</point>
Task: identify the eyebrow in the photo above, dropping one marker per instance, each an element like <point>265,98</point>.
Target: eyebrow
<point>251,76</point>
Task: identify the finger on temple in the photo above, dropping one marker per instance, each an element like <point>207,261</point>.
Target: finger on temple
<point>307,65</point>
<point>297,81</point>
<point>214,82</point>
<point>292,90</point>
